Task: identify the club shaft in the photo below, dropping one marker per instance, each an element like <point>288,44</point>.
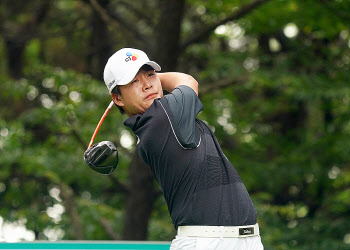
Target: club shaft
<point>99,124</point>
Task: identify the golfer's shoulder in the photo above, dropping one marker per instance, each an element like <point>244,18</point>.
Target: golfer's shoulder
<point>183,98</point>
<point>181,107</point>
<point>181,94</point>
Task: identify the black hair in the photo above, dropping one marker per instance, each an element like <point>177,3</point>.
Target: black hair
<point>116,89</point>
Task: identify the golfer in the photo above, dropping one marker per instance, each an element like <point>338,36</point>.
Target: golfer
<point>208,203</point>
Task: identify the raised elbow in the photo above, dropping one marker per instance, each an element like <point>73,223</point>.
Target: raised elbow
<point>192,83</point>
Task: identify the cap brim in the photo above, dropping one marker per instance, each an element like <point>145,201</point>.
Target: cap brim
<point>154,65</point>
<point>132,73</point>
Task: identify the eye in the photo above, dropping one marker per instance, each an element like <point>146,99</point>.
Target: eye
<point>151,74</point>
<point>133,81</point>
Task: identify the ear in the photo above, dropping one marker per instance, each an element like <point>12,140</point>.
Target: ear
<point>118,99</point>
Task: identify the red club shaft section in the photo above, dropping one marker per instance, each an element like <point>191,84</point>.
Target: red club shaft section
<point>99,124</point>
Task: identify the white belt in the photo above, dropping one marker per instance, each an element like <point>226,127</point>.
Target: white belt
<point>218,231</point>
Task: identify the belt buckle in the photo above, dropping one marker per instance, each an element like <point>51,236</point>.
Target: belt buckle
<point>243,231</point>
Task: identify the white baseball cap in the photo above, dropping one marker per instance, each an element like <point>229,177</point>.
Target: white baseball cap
<point>123,66</point>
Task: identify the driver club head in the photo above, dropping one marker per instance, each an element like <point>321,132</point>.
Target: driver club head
<point>102,157</point>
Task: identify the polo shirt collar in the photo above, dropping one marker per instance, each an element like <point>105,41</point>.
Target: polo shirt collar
<point>132,121</point>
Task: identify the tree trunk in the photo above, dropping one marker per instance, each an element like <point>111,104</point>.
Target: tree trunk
<point>17,37</point>
<point>71,208</point>
<point>100,45</point>
<point>140,200</point>
<point>168,34</point>
<point>14,51</point>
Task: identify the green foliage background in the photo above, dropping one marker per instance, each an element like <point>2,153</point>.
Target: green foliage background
<point>280,113</point>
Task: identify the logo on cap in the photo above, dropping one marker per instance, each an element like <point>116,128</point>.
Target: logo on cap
<point>131,57</point>
<point>110,84</point>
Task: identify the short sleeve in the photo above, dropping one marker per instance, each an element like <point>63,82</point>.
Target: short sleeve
<point>182,106</point>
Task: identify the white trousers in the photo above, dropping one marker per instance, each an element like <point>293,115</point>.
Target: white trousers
<point>199,243</point>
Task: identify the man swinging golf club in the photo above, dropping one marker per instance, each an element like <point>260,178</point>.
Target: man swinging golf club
<point>208,203</point>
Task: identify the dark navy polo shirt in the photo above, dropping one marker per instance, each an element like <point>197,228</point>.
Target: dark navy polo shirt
<point>200,185</point>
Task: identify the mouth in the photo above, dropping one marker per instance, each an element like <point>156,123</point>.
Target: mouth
<point>151,96</point>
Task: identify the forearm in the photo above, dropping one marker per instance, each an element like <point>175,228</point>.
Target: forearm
<point>171,80</point>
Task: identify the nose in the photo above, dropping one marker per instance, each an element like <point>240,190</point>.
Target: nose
<point>147,84</point>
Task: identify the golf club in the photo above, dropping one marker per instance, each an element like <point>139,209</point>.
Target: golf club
<point>103,156</point>
<point>100,122</point>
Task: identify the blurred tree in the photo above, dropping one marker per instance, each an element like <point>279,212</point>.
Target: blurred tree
<point>21,23</point>
<point>273,80</point>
